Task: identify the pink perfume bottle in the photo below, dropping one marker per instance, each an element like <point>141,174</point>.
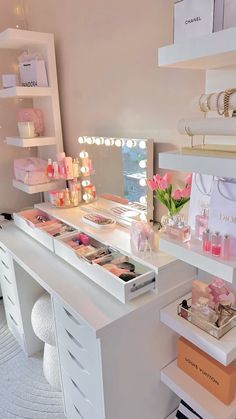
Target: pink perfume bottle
<point>216,244</point>
<point>206,241</point>
<point>180,232</point>
<point>226,247</point>
<point>201,223</point>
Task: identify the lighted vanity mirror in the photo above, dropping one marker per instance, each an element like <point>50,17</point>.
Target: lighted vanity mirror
<point>121,169</point>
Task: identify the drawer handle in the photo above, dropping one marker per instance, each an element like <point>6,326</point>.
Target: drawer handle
<point>77,410</point>
<point>80,391</point>
<point>3,250</point>
<point>77,362</point>
<point>4,264</point>
<point>75,340</point>
<point>72,317</point>
<point>13,320</point>
<point>8,280</point>
<point>12,302</point>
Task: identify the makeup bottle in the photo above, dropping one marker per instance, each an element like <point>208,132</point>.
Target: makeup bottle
<point>226,247</point>
<point>50,169</point>
<point>201,223</point>
<point>206,241</point>
<point>55,170</point>
<point>76,168</point>
<point>68,167</point>
<point>216,244</point>
<point>67,197</point>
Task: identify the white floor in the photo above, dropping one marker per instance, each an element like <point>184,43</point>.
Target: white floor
<point>24,392</point>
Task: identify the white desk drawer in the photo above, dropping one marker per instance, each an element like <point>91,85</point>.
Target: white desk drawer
<point>5,256</point>
<point>15,328</point>
<point>6,267</point>
<point>120,289</point>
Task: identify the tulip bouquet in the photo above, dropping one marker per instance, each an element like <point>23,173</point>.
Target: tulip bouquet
<point>163,192</point>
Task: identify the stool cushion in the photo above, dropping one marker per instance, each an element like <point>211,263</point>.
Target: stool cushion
<point>42,319</point>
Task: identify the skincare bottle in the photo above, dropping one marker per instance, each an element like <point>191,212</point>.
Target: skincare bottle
<point>201,223</point>
<point>76,168</point>
<point>216,244</point>
<point>55,170</point>
<point>226,251</point>
<point>206,241</point>
<point>68,167</point>
<point>50,169</point>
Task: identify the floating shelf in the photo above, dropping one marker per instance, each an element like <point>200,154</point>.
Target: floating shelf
<point>191,252</point>
<point>215,50</point>
<point>21,39</point>
<point>200,162</point>
<point>31,189</point>
<point>203,402</point>
<point>25,92</point>
<point>31,142</point>
<point>223,350</point>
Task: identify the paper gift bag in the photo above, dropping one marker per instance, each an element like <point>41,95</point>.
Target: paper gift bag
<point>222,210</point>
<point>200,196</point>
<point>33,73</point>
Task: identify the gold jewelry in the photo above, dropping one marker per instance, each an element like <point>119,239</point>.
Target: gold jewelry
<point>228,93</point>
<point>218,104</point>
<point>203,105</point>
<point>208,101</point>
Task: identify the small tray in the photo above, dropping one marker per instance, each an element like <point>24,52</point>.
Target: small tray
<point>98,221</point>
<point>210,328</point>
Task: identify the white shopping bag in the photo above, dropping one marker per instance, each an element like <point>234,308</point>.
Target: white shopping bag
<point>222,211</point>
<point>200,196</point>
<point>33,73</point>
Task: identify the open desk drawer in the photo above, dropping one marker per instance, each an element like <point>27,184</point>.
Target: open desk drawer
<point>123,291</point>
<point>22,220</point>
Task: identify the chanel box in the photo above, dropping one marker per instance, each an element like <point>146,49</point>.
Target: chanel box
<point>193,18</point>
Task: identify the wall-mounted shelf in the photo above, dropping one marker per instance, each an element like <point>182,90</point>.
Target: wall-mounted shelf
<point>25,92</point>
<point>31,189</point>
<point>210,163</point>
<point>21,39</point>
<point>223,350</point>
<point>191,252</point>
<point>31,142</point>
<point>203,402</point>
<point>207,52</point>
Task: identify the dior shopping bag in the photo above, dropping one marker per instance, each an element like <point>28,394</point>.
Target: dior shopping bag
<point>222,209</point>
<point>200,196</point>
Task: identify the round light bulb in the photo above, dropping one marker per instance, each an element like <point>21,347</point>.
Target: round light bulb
<point>84,169</point>
<point>142,144</point>
<point>85,183</point>
<point>81,140</point>
<point>99,141</point>
<point>143,217</point>
<point>119,143</point>
<point>143,164</point>
<point>143,200</point>
<point>89,140</point>
<point>83,154</point>
<point>109,142</point>
<point>131,143</point>
<point>143,182</point>
<point>86,197</point>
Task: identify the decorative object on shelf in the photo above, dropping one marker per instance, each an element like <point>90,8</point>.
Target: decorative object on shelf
<point>32,115</point>
<point>65,198</point>
<point>201,223</point>
<point>32,70</point>
<point>179,230</point>
<point>31,171</point>
<point>26,129</point>
<point>200,197</point>
<point>219,102</point>
<point>213,376</point>
<point>9,80</point>
<point>142,237</point>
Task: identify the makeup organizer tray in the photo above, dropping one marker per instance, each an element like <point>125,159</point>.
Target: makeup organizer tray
<point>106,277</point>
<point>41,226</point>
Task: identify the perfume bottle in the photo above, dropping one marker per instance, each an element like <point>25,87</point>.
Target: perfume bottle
<point>180,232</point>
<point>184,309</point>
<point>50,170</point>
<point>216,244</point>
<point>201,223</point>
<point>206,241</point>
<point>226,247</point>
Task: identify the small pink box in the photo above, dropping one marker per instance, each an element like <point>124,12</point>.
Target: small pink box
<point>31,171</point>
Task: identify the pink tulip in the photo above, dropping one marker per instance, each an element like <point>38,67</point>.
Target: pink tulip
<point>186,192</point>
<point>167,177</point>
<point>188,179</point>
<point>157,178</point>
<point>152,184</point>
<point>163,185</point>
<point>177,195</point>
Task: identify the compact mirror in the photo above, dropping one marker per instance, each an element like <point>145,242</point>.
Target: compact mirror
<point>121,167</point>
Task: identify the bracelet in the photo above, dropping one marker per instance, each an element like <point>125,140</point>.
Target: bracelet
<point>208,100</point>
<point>228,93</point>
<point>218,104</point>
<point>202,106</point>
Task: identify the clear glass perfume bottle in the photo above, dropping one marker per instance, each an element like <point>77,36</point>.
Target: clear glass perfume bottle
<point>201,223</point>
<point>180,232</point>
<point>226,247</point>
<point>216,244</point>
<point>206,241</point>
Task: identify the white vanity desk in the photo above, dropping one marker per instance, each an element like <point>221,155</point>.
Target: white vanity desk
<point>110,353</point>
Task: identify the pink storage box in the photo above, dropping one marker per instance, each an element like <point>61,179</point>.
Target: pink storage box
<point>31,171</point>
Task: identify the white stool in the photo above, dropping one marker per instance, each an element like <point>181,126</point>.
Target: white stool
<point>43,325</point>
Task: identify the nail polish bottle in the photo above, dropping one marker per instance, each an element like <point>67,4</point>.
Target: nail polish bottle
<point>226,251</point>
<point>206,241</point>
<point>201,223</point>
<point>216,244</point>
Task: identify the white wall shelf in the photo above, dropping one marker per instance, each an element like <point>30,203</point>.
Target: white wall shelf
<point>25,92</point>
<point>210,163</point>
<point>31,142</point>
<point>21,39</point>
<point>31,189</point>
<point>203,402</point>
<point>191,252</point>
<point>223,350</point>
<point>207,52</point>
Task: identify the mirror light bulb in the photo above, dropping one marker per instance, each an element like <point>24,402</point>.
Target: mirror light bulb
<point>86,197</point>
<point>109,142</point>
<point>143,217</point>
<point>84,169</point>
<point>99,141</point>
<point>81,140</point>
<point>85,183</point>
<point>143,164</point>
<point>119,143</point>
<point>143,200</point>
<point>89,140</point>
<point>142,144</point>
<point>143,182</point>
<point>83,154</point>
<point>131,143</point>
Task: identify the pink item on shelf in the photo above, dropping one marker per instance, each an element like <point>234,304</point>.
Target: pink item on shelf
<point>141,236</point>
<point>31,171</point>
<point>83,239</point>
<point>199,289</point>
<point>32,115</point>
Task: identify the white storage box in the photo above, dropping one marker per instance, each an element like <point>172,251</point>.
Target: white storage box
<point>193,18</point>
<point>123,291</point>
<point>33,73</point>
